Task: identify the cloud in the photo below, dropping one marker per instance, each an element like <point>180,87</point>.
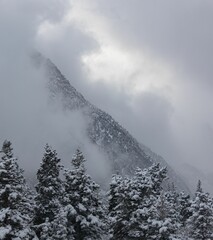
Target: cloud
<point>175,30</point>
<point>151,69</point>
<point>23,96</point>
<point>147,63</point>
<point>27,119</point>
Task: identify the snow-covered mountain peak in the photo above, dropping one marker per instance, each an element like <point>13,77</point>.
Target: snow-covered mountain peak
<point>123,151</point>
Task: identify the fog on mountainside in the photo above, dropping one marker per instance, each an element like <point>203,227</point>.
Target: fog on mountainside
<point>106,125</point>
<point>151,72</point>
<point>122,151</point>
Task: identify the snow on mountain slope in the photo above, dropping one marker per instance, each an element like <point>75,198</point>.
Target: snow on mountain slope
<point>124,152</point>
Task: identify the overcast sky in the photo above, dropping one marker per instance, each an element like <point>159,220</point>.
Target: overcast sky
<point>147,63</point>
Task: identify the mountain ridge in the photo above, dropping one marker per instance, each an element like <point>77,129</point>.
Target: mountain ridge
<point>124,152</point>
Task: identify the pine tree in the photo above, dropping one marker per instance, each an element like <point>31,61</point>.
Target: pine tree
<point>200,223</point>
<point>134,210</point>
<point>151,224</point>
<point>60,226</point>
<point>56,229</point>
<point>85,215</point>
<point>14,201</point>
<point>199,187</point>
<point>183,214</point>
<point>115,196</point>
<point>49,196</point>
<point>184,205</point>
<point>167,215</point>
<point>172,205</point>
<point>120,206</point>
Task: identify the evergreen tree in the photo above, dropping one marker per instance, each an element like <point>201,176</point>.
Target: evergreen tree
<point>133,210</point>
<point>85,212</point>
<point>14,201</point>
<point>49,196</point>
<point>172,205</point>
<point>183,214</point>
<point>200,223</point>
<point>56,229</point>
<point>167,215</point>
<point>60,226</point>
<point>115,196</point>
<point>152,218</point>
<point>199,187</point>
<point>120,206</point>
<point>183,210</point>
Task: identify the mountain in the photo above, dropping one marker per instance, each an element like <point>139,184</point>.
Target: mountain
<point>123,151</point>
<point>191,175</point>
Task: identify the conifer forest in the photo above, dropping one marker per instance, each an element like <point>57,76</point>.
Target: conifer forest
<point>106,120</point>
<point>68,204</point>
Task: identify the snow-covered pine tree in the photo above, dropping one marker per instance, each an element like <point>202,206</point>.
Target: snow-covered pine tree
<point>200,223</point>
<point>150,223</point>
<point>199,187</point>
<point>183,214</point>
<point>56,229</point>
<point>60,226</point>
<point>157,174</point>
<point>135,215</point>
<point>167,215</point>
<point>184,204</point>
<point>14,202</point>
<point>114,198</point>
<point>49,195</point>
<point>172,203</point>
<point>120,206</point>
<point>85,215</point>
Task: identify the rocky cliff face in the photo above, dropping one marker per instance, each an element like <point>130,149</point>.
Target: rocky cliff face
<point>123,151</point>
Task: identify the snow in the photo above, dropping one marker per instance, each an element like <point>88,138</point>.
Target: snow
<point>163,229</point>
<point>93,219</point>
<point>81,207</point>
<point>4,231</point>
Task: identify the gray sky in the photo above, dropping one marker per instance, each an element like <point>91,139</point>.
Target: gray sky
<point>147,63</point>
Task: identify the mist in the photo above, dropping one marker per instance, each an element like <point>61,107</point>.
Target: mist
<point>146,63</point>
<point>28,119</point>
